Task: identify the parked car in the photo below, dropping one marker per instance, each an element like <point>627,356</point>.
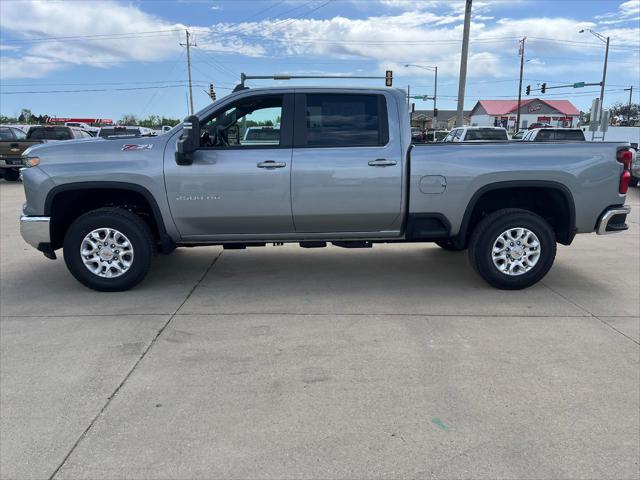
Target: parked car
<point>344,171</point>
<point>84,126</point>
<point>538,125</point>
<point>417,135</point>
<point>263,135</point>
<point>48,133</point>
<point>635,166</point>
<point>13,141</point>
<point>548,134</point>
<point>477,134</point>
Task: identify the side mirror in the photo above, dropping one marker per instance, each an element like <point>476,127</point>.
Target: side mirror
<point>189,141</point>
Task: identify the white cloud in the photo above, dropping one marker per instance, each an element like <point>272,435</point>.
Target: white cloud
<point>79,19</point>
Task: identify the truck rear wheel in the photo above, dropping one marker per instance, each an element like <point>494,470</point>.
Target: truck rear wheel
<point>512,248</point>
<point>108,249</point>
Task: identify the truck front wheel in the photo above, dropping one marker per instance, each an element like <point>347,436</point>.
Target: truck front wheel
<point>108,249</point>
<point>11,175</point>
<point>512,248</point>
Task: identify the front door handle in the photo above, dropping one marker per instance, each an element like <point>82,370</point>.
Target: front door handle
<point>271,164</point>
<point>382,162</point>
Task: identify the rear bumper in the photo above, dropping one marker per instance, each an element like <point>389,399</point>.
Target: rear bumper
<point>613,220</point>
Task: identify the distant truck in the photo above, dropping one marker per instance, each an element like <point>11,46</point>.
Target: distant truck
<point>13,142</point>
<point>84,126</point>
<point>341,170</point>
<point>550,134</point>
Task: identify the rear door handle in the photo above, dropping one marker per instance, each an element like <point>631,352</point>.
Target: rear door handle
<point>382,162</point>
<point>271,164</point>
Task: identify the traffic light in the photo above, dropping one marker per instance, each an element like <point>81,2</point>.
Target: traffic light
<point>528,90</point>
<point>388,78</point>
<point>413,107</point>
<point>543,88</point>
<point>435,112</point>
<point>212,92</point>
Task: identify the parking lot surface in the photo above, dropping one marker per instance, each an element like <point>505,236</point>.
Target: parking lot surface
<point>279,362</point>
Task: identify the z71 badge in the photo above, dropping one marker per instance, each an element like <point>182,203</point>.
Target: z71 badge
<point>133,146</point>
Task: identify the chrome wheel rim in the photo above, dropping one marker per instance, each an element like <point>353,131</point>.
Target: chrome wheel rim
<point>106,252</point>
<point>516,251</point>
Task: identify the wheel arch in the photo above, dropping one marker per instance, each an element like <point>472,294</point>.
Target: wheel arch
<point>543,187</point>
<point>105,188</point>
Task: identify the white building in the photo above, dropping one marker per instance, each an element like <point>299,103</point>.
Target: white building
<point>502,113</point>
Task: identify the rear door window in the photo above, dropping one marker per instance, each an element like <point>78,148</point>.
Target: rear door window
<point>544,135</point>
<point>344,120</point>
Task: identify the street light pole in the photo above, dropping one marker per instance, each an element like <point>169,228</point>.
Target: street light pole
<point>520,83</point>
<point>604,39</point>
<point>435,89</point>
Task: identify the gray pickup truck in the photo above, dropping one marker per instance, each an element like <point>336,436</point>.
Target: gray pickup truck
<point>343,170</point>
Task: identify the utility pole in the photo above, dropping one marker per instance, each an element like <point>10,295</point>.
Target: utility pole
<point>520,83</point>
<point>629,104</point>
<point>189,44</point>
<point>435,97</point>
<point>463,63</point>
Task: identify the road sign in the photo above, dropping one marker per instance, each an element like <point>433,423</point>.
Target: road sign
<point>578,85</point>
<point>604,121</point>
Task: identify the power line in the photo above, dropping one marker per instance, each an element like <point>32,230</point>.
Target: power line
<point>151,33</point>
<point>105,89</point>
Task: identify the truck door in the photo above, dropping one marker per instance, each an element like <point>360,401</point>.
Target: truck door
<point>347,164</point>
<point>239,182</point>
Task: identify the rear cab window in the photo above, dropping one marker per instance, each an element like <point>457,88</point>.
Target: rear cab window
<point>486,134</point>
<point>50,133</point>
<point>342,120</point>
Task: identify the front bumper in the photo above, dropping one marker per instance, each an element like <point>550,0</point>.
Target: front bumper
<point>11,162</point>
<point>35,231</point>
<point>613,220</point>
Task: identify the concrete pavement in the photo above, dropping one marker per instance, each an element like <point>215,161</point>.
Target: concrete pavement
<point>280,362</point>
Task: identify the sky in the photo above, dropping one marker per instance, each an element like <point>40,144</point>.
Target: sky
<point>106,59</point>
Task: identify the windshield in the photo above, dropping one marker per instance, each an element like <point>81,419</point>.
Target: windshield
<point>50,133</point>
<point>6,134</point>
<point>486,134</point>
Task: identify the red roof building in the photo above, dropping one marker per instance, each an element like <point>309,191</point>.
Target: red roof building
<point>561,113</point>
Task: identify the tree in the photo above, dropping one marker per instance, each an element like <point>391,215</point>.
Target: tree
<point>26,115</point>
<point>128,119</point>
<point>620,109</point>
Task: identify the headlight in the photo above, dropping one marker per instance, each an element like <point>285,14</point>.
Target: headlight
<point>31,161</point>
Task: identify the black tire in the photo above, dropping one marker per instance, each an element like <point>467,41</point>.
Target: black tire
<point>11,175</point>
<point>634,181</point>
<point>449,246</point>
<point>129,224</point>
<point>488,231</point>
